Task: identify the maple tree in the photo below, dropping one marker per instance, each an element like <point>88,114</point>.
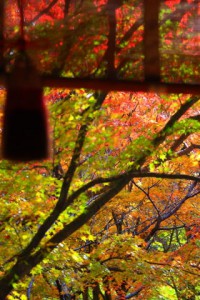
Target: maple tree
<point>114,214</point>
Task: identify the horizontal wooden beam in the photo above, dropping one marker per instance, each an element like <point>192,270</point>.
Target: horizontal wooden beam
<point>117,85</point>
<point>121,85</point>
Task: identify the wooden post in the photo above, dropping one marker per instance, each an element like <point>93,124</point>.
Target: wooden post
<point>151,40</point>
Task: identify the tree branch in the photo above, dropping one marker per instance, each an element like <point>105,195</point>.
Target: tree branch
<point>129,176</point>
<point>131,295</point>
<point>148,196</point>
<point>168,127</point>
<point>187,150</point>
<point>120,181</point>
<point>189,194</point>
<point>62,201</point>
<point>41,13</point>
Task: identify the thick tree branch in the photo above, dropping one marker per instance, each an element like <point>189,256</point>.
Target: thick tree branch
<point>168,127</point>
<point>129,175</point>
<point>41,13</point>
<point>94,207</point>
<point>63,201</point>
<point>167,176</point>
<point>26,261</point>
<point>179,141</point>
<point>61,204</point>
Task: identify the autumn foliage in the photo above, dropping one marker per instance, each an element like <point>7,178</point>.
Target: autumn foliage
<point>114,213</point>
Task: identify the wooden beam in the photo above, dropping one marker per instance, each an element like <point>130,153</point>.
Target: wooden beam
<point>116,85</point>
<point>151,40</point>
<point>2,6</point>
<point>121,85</point>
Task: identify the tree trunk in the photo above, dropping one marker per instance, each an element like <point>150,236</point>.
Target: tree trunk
<point>96,292</point>
<point>85,294</point>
